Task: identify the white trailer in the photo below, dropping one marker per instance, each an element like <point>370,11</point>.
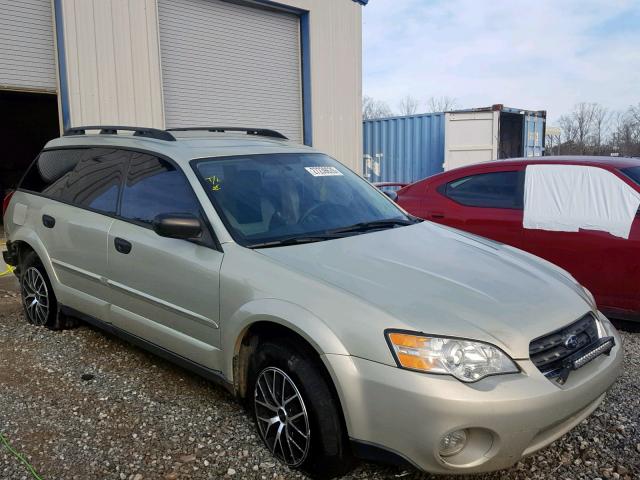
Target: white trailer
<point>492,133</point>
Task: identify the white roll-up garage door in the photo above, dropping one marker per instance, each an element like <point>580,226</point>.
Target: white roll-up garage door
<point>26,45</point>
<point>228,64</point>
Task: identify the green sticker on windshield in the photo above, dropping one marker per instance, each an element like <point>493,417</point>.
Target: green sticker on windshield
<point>216,183</point>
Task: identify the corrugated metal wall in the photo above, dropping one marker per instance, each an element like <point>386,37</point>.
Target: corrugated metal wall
<point>113,62</point>
<point>230,64</point>
<point>403,149</point>
<point>113,68</point>
<point>336,78</point>
<point>26,45</point>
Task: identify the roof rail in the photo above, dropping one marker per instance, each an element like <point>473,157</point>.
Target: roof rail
<point>262,132</point>
<point>113,130</point>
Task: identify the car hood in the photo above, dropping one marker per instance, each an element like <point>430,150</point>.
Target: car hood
<point>437,280</point>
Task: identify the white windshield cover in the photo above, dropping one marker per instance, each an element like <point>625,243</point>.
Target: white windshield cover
<point>567,198</point>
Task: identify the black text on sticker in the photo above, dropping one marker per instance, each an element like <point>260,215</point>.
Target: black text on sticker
<point>323,171</point>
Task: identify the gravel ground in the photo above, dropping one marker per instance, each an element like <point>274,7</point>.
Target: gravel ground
<point>80,404</point>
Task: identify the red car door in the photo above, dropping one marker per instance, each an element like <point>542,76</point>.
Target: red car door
<point>608,265</point>
<point>631,277</point>
<point>487,203</point>
<point>631,274</point>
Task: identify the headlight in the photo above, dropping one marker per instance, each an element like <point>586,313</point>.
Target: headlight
<point>590,297</point>
<point>605,327</point>
<point>466,360</point>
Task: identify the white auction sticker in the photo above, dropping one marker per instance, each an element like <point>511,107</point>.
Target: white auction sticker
<point>324,171</point>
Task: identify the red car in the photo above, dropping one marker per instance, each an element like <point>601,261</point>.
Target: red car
<point>580,213</point>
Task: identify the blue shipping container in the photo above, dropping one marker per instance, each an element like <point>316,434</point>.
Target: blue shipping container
<point>403,149</point>
<point>408,149</point>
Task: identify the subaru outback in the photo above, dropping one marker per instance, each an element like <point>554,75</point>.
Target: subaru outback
<point>348,327</point>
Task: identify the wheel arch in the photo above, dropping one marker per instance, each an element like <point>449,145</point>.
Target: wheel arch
<point>26,241</point>
<point>271,318</point>
<point>249,340</point>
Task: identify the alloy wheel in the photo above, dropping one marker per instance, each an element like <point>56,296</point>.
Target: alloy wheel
<point>35,296</point>
<point>282,416</point>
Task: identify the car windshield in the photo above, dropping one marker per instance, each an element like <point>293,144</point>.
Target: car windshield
<point>271,199</point>
<point>633,173</point>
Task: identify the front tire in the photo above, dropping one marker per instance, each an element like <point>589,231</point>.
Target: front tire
<point>296,412</point>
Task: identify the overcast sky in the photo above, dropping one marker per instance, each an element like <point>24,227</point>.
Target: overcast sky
<point>534,54</point>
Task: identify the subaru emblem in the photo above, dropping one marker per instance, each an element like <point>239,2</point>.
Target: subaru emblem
<point>571,342</point>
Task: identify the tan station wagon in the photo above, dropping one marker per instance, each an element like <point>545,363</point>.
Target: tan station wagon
<point>348,327</point>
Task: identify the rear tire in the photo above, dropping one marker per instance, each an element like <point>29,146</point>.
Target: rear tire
<point>38,299</point>
<point>296,413</point>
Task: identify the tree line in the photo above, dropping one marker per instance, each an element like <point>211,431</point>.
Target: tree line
<point>372,108</point>
<point>591,129</point>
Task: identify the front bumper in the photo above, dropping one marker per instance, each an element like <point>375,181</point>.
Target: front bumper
<point>507,416</point>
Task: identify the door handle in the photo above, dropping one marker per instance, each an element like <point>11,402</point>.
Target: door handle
<point>122,245</point>
<point>437,215</point>
<point>48,221</point>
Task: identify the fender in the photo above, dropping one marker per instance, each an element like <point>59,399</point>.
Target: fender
<point>294,317</point>
<point>28,236</point>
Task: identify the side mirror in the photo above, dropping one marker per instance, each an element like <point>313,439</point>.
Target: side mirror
<point>391,194</point>
<point>184,226</point>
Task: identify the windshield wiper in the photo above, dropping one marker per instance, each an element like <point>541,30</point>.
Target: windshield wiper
<point>375,225</point>
<point>295,240</point>
<point>338,232</point>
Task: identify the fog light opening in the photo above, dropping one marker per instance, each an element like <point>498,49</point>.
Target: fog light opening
<point>453,443</point>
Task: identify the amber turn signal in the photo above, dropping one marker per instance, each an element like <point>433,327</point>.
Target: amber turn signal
<point>410,350</point>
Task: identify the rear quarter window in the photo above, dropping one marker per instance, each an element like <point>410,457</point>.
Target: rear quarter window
<point>87,178</point>
<point>49,167</point>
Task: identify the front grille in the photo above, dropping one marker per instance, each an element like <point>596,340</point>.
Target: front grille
<point>548,352</point>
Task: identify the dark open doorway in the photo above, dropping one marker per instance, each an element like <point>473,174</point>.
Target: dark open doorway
<point>27,122</point>
<point>511,128</point>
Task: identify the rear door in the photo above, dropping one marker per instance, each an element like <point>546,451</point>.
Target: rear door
<point>487,204</point>
<point>163,290</point>
<point>74,227</point>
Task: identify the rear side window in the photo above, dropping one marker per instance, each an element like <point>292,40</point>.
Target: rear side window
<point>87,178</point>
<point>488,190</point>
<point>153,187</point>
<point>94,182</point>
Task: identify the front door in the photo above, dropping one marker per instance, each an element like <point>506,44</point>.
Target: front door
<point>164,290</point>
<point>578,217</point>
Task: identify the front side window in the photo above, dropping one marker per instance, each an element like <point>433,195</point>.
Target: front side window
<point>267,198</point>
<point>89,178</point>
<point>488,190</point>
<point>571,198</point>
<point>633,173</point>
<point>153,186</point>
